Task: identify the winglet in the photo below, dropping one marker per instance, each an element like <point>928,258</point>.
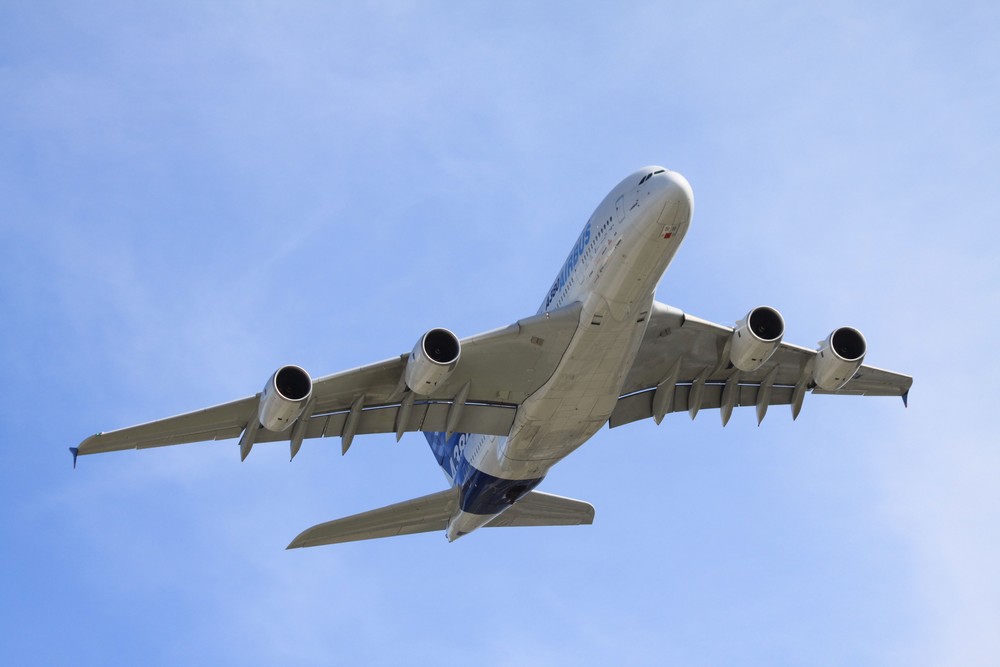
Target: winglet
<point>75,451</point>
<point>906,397</point>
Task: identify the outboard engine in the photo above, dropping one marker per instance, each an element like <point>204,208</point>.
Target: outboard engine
<point>839,357</point>
<point>284,398</point>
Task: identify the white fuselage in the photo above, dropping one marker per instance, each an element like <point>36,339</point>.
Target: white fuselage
<point>612,271</point>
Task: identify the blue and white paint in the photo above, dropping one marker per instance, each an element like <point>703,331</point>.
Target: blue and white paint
<point>481,493</point>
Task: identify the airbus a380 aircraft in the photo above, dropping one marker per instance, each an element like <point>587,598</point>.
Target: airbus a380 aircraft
<point>501,408</point>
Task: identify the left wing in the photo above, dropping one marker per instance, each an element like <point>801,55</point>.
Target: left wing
<point>498,370</point>
<point>683,365</point>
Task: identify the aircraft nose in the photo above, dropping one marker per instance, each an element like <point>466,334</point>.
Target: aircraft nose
<point>677,189</point>
<point>677,206</point>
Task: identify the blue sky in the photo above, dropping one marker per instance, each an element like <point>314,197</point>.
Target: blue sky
<point>196,194</point>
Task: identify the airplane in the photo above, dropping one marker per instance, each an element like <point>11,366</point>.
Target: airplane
<point>500,408</point>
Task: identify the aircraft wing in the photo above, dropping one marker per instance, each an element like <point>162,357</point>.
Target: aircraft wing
<point>498,370</point>
<point>682,365</point>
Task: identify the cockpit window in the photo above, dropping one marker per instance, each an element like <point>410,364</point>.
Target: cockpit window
<point>658,171</point>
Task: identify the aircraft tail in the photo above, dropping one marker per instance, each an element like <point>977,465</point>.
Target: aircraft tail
<point>433,512</point>
<point>545,509</point>
<point>420,515</point>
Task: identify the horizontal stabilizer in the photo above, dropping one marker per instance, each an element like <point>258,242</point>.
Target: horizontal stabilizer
<point>431,513</point>
<point>420,515</point>
<point>544,509</point>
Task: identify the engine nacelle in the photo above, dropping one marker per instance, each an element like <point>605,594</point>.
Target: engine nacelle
<point>756,337</point>
<point>839,357</point>
<point>432,360</point>
<point>284,398</point>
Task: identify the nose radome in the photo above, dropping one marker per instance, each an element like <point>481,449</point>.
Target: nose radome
<point>678,188</point>
<point>674,201</point>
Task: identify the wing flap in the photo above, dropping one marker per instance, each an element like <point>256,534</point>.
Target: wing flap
<point>545,509</point>
<point>640,405</point>
<point>420,515</point>
<point>485,419</point>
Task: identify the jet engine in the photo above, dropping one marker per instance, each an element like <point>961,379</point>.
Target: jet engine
<point>284,398</point>
<point>432,360</point>
<point>756,337</point>
<point>839,357</point>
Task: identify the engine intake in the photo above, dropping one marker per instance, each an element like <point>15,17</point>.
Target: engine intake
<point>432,360</point>
<point>756,337</point>
<point>284,398</point>
<point>839,357</point>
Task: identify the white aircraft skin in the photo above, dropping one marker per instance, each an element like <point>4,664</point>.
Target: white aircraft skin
<point>612,270</point>
<point>501,408</point>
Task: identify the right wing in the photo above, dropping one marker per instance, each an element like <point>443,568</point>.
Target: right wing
<point>500,367</point>
<point>683,365</point>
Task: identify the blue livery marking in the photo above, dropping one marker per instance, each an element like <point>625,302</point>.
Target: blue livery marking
<point>480,493</point>
<point>448,451</point>
<point>567,270</point>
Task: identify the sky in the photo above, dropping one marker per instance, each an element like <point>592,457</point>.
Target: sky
<point>194,194</point>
